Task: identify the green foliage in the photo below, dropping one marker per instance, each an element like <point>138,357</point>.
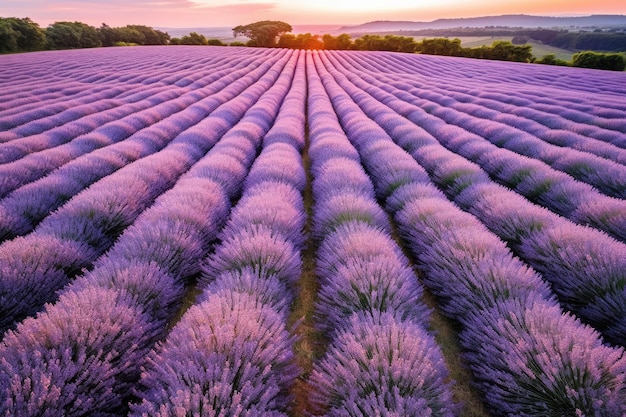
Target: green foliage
<point>194,38</point>
<point>236,43</point>
<point>550,59</point>
<point>499,50</point>
<point>301,41</point>
<point>589,59</point>
<point>215,42</point>
<point>341,42</point>
<point>124,44</point>
<point>440,46</point>
<point>390,43</point>
<point>71,35</point>
<point>598,41</point>
<point>520,40</point>
<point>8,37</point>
<point>132,34</point>
<point>264,33</point>
<point>20,35</point>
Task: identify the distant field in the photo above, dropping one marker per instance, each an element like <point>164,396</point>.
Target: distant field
<point>190,230</point>
<point>539,49</point>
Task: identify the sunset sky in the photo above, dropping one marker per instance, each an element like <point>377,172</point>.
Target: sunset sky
<point>194,13</point>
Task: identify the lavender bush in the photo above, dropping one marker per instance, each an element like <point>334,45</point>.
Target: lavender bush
<point>378,360</point>
<point>239,364</point>
<point>98,336</point>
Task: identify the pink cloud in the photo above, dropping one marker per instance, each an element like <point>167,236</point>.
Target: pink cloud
<point>204,13</point>
<point>182,13</point>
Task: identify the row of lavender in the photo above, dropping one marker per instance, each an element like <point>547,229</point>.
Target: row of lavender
<point>586,268</point>
<point>534,179</point>
<point>83,354</point>
<point>527,356</point>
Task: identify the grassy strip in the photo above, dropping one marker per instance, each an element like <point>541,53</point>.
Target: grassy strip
<point>192,291</point>
<point>311,343</point>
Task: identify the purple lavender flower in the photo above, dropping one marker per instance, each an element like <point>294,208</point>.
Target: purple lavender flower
<point>76,358</point>
<point>152,289</point>
<point>279,162</point>
<point>271,209</point>
<point>229,354</point>
<point>338,175</point>
<point>32,269</point>
<point>369,287</point>
<point>337,209</point>
<point>269,290</point>
<point>381,360</point>
<point>355,240</point>
<point>531,359</point>
<point>258,247</point>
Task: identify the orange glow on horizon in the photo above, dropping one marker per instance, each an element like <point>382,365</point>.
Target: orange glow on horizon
<point>220,13</point>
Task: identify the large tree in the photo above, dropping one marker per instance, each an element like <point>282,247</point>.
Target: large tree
<point>20,35</point>
<point>264,33</point>
<point>69,35</point>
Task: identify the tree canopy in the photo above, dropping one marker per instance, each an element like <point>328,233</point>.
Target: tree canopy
<point>264,33</point>
<point>590,59</point>
<point>69,35</point>
<point>132,34</point>
<point>301,41</point>
<point>20,35</point>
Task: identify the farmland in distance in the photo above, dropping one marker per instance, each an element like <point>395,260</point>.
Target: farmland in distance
<point>271,232</point>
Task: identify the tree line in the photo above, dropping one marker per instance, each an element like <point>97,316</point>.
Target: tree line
<point>610,40</point>
<point>275,34</point>
<point>22,35</point>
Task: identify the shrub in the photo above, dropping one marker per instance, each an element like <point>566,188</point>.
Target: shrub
<point>152,289</point>
<point>590,59</point>
<point>77,358</point>
<point>227,355</point>
<point>32,270</point>
<point>259,248</point>
<point>272,210</point>
<point>532,360</point>
<point>337,209</point>
<point>551,59</point>
<point>368,287</point>
<point>379,360</point>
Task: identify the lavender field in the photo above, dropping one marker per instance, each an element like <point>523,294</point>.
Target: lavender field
<point>160,207</point>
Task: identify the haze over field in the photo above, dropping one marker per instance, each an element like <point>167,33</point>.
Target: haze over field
<point>190,13</point>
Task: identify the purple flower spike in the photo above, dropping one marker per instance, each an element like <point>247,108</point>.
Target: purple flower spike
<point>152,288</point>
<point>256,247</point>
<point>381,360</point>
<point>533,360</point>
<point>338,209</point>
<point>370,287</point>
<point>355,240</point>
<point>77,358</point>
<point>32,270</point>
<point>229,355</point>
<point>268,290</point>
